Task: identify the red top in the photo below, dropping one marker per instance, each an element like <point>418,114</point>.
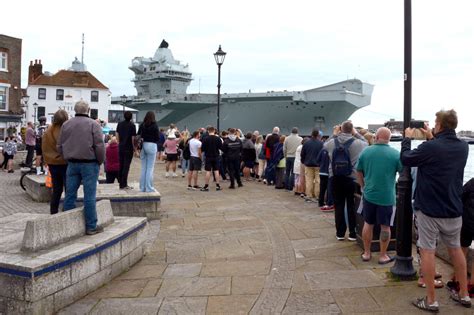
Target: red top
<point>111,158</point>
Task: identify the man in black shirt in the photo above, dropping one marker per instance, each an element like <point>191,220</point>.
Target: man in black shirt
<point>211,146</point>
<point>232,149</point>
<point>126,132</point>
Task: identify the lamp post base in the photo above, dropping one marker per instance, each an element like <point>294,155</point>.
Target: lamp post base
<point>403,268</point>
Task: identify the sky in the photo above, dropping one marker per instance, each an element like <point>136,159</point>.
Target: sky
<point>271,45</point>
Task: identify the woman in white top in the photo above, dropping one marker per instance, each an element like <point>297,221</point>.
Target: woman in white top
<point>261,163</point>
<point>298,170</point>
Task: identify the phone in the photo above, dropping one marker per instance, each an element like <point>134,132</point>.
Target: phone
<point>417,124</point>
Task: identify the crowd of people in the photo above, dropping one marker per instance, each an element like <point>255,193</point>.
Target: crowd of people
<point>347,172</point>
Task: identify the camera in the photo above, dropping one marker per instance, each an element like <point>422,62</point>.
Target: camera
<point>417,124</point>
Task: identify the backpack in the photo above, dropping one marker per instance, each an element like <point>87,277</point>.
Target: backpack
<point>186,151</point>
<point>341,158</point>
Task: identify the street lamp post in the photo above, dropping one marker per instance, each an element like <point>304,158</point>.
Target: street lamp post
<point>35,106</point>
<point>219,55</point>
<point>124,101</point>
<point>403,266</point>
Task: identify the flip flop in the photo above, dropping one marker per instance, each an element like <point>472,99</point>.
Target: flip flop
<point>365,259</point>
<point>383,262</point>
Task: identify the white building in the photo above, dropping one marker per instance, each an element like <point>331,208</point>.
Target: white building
<point>50,92</point>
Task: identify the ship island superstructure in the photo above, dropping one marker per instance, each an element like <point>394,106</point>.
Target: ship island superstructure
<point>161,83</point>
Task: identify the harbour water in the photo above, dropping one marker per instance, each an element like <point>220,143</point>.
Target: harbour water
<point>468,170</point>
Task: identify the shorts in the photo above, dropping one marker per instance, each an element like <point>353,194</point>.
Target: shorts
<point>467,236</point>
<point>195,164</point>
<point>170,157</point>
<point>376,214</point>
<point>429,229</point>
<point>211,165</point>
<point>249,164</point>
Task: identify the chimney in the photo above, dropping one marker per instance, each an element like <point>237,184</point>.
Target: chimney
<point>34,71</point>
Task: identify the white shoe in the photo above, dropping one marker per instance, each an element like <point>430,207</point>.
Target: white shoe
<point>167,174</point>
<point>174,175</point>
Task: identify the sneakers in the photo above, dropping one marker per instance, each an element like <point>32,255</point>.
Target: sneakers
<point>167,175</point>
<point>174,175</point>
<point>464,301</point>
<point>422,304</point>
<point>190,187</point>
<point>126,188</point>
<point>205,188</point>
<point>183,175</point>
<point>231,187</point>
<point>196,187</point>
<point>98,229</point>
<point>327,208</point>
<point>240,185</point>
<point>218,188</point>
<point>339,238</point>
<point>352,237</point>
<point>264,181</point>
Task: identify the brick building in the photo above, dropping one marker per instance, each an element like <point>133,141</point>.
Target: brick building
<point>11,111</point>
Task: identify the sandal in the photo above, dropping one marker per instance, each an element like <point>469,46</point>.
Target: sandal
<point>365,258</point>
<point>438,284</point>
<point>389,260</point>
<point>422,304</point>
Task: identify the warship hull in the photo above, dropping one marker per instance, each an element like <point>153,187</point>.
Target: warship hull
<point>320,108</point>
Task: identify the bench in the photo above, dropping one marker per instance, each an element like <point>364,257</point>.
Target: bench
<point>47,262</point>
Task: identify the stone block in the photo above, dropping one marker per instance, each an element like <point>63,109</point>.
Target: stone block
<point>47,231</point>
<point>70,294</point>
<point>39,287</point>
<point>35,187</point>
<point>12,287</point>
<point>85,268</point>
<point>110,255</point>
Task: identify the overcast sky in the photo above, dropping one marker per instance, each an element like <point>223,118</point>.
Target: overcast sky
<point>270,45</point>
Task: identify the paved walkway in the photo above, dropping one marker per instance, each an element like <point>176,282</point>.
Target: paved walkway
<point>250,250</point>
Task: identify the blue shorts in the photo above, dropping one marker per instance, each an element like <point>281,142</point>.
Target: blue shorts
<point>373,213</point>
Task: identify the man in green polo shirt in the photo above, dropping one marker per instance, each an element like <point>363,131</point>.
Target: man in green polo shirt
<point>376,171</point>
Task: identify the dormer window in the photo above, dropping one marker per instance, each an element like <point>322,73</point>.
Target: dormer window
<point>94,96</point>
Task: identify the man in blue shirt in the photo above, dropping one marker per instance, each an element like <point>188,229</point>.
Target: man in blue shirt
<point>438,203</point>
<point>376,171</point>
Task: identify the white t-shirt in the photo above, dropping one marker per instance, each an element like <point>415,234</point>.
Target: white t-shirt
<point>194,146</point>
<point>297,165</point>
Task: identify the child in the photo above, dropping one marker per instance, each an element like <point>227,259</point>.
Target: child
<point>112,164</point>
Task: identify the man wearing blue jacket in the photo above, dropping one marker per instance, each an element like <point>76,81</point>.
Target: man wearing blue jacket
<point>438,203</point>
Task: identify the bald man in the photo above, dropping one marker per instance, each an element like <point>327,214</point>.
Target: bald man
<point>376,170</point>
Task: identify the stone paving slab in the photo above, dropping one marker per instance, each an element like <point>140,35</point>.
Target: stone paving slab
<point>252,250</point>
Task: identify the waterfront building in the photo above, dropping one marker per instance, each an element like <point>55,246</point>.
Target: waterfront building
<point>49,92</point>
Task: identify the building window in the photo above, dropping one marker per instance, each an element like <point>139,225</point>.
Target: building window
<point>59,95</point>
<point>42,93</point>
<point>41,112</point>
<point>3,97</point>
<point>94,113</point>
<point>3,61</point>
<point>94,96</point>
<point>168,91</point>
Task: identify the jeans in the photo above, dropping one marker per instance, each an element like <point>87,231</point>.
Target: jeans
<point>29,156</point>
<point>125,159</point>
<point>88,174</point>
<point>147,156</point>
<point>344,189</point>
<point>289,176</point>
<point>184,165</point>
<point>58,178</point>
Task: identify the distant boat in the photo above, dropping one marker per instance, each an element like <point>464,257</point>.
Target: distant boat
<point>469,140</point>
